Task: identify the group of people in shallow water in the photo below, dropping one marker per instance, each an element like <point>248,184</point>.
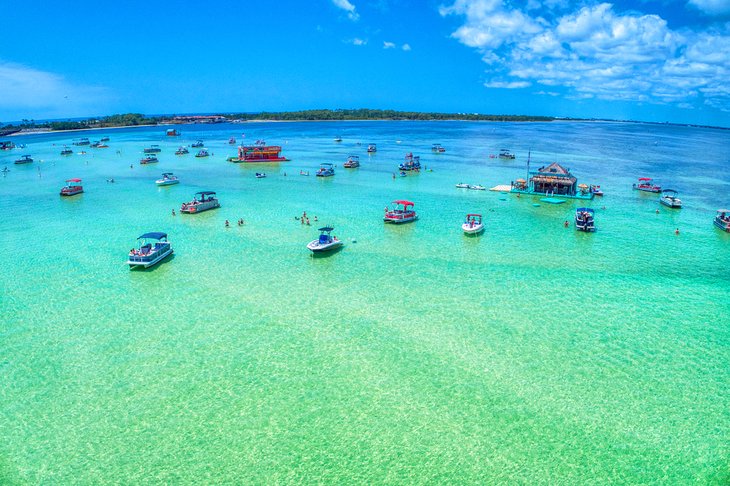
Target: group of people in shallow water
<point>304,219</point>
<point>240,222</point>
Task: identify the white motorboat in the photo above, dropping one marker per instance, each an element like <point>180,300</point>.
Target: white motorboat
<point>584,220</point>
<point>207,201</point>
<point>168,179</point>
<point>149,253</point>
<point>669,198</point>
<point>477,187</point>
<point>260,175</point>
<point>473,224</point>
<point>461,185</point>
<point>325,242</point>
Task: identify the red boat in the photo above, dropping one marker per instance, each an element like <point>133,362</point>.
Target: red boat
<point>258,153</point>
<point>72,187</point>
<point>400,213</point>
<point>645,184</point>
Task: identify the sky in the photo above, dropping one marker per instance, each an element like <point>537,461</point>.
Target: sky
<point>660,61</point>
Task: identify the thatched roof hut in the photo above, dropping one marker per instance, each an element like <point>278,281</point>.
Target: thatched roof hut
<point>553,179</point>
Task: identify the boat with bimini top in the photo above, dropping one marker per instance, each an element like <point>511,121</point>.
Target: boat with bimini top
<point>81,141</point>
<point>584,220</point>
<point>182,151</point>
<point>67,151</point>
<point>353,161</point>
<point>202,201</point>
<point>168,179</point>
<point>149,253</point>
<point>325,242</point>
<point>202,153</point>
<point>25,159</point>
<point>150,159</point>
<point>646,184</point>
<point>152,149</point>
<point>72,187</point>
<point>401,213</point>
<point>506,154</point>
<point>722,219</point>
<point>412,162</point>
<point>171,132</point>
<point>325,170</point>
<point>197,144</point>
<point>473,224</point>
<point>669,198</point>
<point>372,148</point>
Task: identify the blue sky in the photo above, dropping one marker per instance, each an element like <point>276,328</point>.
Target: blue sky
<point>642,60</point>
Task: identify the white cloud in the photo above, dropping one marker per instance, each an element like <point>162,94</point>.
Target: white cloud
<point>347,7</point>
<point>388,45</point>
<point>596,52</point>
<point>712,7</point>
<point>406,47</point>
<point>358,42</point>
<point>29,92</point>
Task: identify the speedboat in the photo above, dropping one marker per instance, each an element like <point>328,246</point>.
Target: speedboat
<point>596,190</point>
<point>260,175</point>
<point>304,172</point>
<point>150,159</point>
<point>722,219</point>
<point>473,224</point>
<point>506,154</point>
<point>168,179</point>
<point>67,151</point>
<point>437,148</point>
<point>372,148</point>
<point>153,149</point>
<point>102,145</point>
<point>149,253</point>
<point>462,185</point>
<point>104,139</point>
<point>353,161</point>
<point>400,213</point>
<point>412,162</point>
<point>669,198</point>
<point>202,153</point>
<point>325,242</point>
<point>584,220</point>
<point>232,141</point>
<point>477,187</point>
<point>646,184</point>
<point>207,201</point>
<point>338,138</point>
<point>95,144</point>
<point>198,144</point>
<point>325,170</point>
<point>72,187</point>
<point>25,159</point>
<point>182,151</point>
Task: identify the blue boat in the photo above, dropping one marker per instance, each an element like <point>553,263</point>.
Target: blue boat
<point>412,162</point>
<point>325,170</point>
<point>584,220</point>
<point>153,248</point>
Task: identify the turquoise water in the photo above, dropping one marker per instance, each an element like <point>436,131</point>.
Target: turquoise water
<point>531,354</point>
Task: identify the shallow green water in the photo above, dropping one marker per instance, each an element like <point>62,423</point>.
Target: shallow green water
<point>531,354</point>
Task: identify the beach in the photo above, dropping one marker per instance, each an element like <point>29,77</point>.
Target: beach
<point>533,353</point>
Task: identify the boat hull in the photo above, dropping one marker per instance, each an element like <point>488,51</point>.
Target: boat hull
<point>472,229</point>
<point>71,192</point>
<point>316,247</point>
<point>166,182</point>
<point>199,208</point>
<point>237,160</point>
<point>671,203</point>
<point>146,262</point>
<point>723,226</point>
<point>397,220</point>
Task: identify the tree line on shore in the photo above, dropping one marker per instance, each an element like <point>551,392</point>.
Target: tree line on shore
<point>138,119</point>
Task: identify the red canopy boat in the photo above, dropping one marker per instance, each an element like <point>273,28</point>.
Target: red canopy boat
<point>646,184</point>
<point>72,187</point>
<point>400,213</point>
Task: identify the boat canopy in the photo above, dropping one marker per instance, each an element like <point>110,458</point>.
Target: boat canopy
<point>584,210</point>
<point>327,164</point>
<point>474,214</point>
<point>723,210</point>
<point>205,193</point>
<point>157,235</point>
<point>73,180</point>
<point>404,202</point>
<point>645,178</point>
<point>670,190</point>
<point>166,174</point>
<point>326,229</point>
